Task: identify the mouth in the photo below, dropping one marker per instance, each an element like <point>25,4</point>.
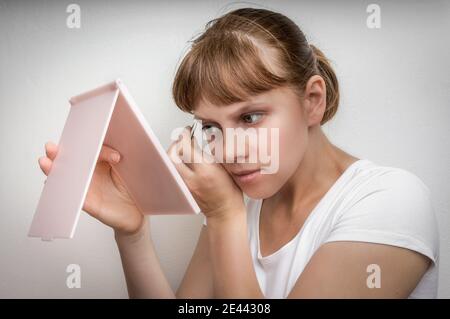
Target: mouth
<point>247,176</point>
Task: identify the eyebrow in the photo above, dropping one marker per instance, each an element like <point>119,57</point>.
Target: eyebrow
<point>241,110</point>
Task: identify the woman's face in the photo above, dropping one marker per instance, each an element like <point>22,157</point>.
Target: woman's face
<point>278,110</point>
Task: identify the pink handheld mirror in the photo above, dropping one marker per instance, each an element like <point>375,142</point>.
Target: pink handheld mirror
<point>107,115</point>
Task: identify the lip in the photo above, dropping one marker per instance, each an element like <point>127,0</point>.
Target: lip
<point>247,176</point>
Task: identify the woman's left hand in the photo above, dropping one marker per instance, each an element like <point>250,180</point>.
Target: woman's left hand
<point>212,187</point>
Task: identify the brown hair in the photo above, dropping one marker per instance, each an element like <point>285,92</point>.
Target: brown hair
<point>225,64</point>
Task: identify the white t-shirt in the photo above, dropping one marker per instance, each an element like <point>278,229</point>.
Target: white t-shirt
<point>368,203</point>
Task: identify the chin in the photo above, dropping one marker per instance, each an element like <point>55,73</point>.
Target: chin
<point>263,189</point>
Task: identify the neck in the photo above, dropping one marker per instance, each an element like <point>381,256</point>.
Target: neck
<point>321,166</point>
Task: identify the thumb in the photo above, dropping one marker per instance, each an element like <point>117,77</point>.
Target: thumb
<point>110,155</point>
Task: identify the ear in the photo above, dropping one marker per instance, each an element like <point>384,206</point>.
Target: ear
<point>315,97</point>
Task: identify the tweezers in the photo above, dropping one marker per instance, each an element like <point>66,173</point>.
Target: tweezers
<point>193,129</point>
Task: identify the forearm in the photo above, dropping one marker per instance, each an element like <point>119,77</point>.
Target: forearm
<point>233,271</point>
<point>143,273</point>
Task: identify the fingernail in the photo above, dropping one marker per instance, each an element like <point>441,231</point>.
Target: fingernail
<point>115,157</point>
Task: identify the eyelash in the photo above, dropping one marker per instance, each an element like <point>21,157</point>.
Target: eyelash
<point>206,126</point>
<point>250,114</point>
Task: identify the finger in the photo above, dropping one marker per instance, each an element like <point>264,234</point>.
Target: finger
<point>206,157</point>
<point>193,156</point>
<point>190,152</point>
<point>51,149</point>
<point>110,155</point>
<point>184,149</point>
<point>45,164</point>
<point>174,155</point>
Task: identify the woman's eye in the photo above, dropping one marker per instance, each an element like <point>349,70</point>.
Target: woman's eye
<point>209,129</point>
<point>251,118</point>
<point>210,132</point>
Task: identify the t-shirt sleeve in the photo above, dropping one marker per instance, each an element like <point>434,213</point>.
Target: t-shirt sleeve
<point>395,209</point>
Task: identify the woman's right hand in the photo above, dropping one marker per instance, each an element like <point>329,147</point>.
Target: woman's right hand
<point>107,198</point>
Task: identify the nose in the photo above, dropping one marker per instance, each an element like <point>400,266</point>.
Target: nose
<point>236,146</point>
<point>226,147</point>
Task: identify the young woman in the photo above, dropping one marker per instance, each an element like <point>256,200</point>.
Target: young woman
<point>326,224</point>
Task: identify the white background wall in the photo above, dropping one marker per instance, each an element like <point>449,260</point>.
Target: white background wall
<point>394,111</point>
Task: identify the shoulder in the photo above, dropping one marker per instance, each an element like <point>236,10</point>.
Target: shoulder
<point>394,192</point>
<point>393,206</point>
